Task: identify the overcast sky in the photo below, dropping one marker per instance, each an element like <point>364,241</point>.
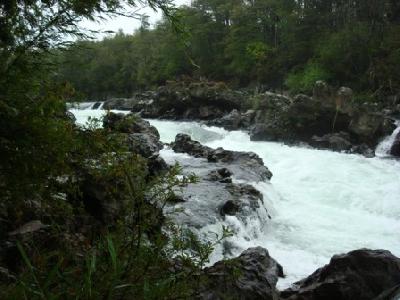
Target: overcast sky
<point>128,25</point>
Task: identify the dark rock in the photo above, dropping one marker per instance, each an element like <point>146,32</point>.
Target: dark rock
<point>230,208</point>
<point>239,193</point>
<point>103,198</point>
<point>395,149</point>
<point>248,162</point>
<point>370,127</point>
<point>390,294</point>
<point>96,105</point>
<point>245,160</point>
<point>252,275</point>
<point>156,165</point>
<point>361,274</point>
<point>144,144</point>
<point>184,144</point>
<point>230,121</point>
<point>267,132</point>
<point>363,149</point>
<point>136,104</point>
<point>192,100</point>
<point>222,175</point>
<point>247,118</point>
<point>71,117</point>
<point>128,124</point>
<point>141,137</point>
<point>334,141</point>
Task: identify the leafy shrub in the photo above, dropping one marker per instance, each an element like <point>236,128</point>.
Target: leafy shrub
<point>303,81</point>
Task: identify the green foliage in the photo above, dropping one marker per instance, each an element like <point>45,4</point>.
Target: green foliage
<point>264,42</point>
<point>43,154</point>
<point>303,81</point>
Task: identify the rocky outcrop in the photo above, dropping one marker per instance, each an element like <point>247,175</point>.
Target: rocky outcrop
<point>184,144</point>
<point>248,162</point>
<point>328,120</point>
<point>140,137</point>
<point>251,276</point>
<point>183,100</point>
<point>361,274</point>
<point>318,120</point>
<point>106,197</point>
<point>216,195</point>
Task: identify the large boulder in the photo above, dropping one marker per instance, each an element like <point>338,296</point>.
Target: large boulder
<point>184,144</point>
<point>369,127</point>
<point>247,163</point>
<point>361,274</point>
<point>268,131</point>
<point>140,137</point>
<point>251,276</point>
<point>230,121</point>
<point>130,123</point>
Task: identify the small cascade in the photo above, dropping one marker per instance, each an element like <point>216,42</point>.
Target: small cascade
<point>97,105</point>
<point>383,149</point>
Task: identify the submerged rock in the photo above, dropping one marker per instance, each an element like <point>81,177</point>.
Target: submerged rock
<point>251,276</point>
<point>334,141</point>
<point>361,274</point>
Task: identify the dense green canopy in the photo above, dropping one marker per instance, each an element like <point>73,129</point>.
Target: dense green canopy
<point>281,44</point>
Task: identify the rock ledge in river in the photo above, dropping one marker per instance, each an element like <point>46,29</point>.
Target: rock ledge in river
<point>361,274</point>
<point>248,162</point>
<point>251,276</point>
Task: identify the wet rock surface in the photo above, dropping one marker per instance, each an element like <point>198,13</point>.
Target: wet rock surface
<point>361,274</point>
<point>273,116</point>
<point>245,165</point>
<point>251,276</point>
<point>219,192</point>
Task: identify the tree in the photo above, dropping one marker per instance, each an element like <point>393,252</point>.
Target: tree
<point>36,138</point>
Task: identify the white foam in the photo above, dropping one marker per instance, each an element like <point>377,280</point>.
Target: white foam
<point>321,202</point>
<point>383,149</point>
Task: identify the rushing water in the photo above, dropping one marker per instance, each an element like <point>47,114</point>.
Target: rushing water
<point>322,202</point>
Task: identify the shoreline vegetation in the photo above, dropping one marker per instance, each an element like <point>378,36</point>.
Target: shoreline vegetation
<point>82,210</point>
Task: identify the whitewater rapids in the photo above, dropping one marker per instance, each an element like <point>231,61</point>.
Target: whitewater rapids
<point>322,203</point>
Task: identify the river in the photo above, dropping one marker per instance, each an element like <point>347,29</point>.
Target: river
<point>322,202</point>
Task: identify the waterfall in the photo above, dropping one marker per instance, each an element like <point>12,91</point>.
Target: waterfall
<point>383,149</point>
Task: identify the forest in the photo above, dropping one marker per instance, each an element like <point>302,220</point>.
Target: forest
<point>95,203</point>
<point>267,44</point>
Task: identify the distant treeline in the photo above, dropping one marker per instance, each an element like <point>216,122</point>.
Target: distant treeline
<point>277,44</point>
